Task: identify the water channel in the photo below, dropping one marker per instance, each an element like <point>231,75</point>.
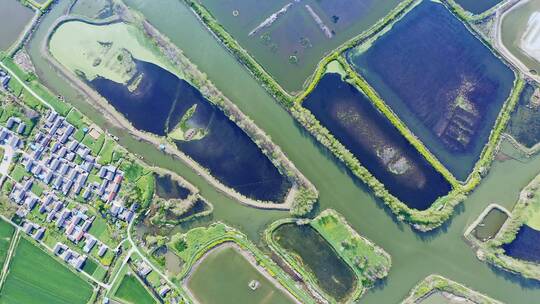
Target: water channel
<point>414,255</point>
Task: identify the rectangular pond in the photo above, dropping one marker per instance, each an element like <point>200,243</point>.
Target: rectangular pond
<point>288,38</point>
<point>223,277</point>
<point>16,16</point>
<point>490,224</point>
<point>332,273</point>
<point>444,83</point>
<point>375,142</point>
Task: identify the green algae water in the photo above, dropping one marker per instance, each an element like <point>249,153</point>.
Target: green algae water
<point>414,256</point>
<point>223,277</point>
<point>490,224</point>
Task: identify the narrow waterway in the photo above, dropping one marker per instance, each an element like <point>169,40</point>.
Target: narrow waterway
<point>414,255</point>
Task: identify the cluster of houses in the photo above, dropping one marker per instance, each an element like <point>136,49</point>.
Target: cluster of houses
<point>75,223</point>
<point>34,230</point>
<point>7,137</point>
<point>69,256</point>
<point>65,164</point>
<point>144,270</point>
<point>61,161</point>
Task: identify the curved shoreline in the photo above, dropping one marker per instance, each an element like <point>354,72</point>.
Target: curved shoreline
<point>309,278</point>
<point>102,105</point>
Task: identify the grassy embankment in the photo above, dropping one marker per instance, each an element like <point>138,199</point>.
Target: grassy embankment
<point>435,283</point>
<point>468,16</point>
<point>368,261</point>
<point>32,82</point>
<point>526,212</point>
<point>191,246</point>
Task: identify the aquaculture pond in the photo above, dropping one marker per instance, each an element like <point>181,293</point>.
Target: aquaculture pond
<point>477,6</point>
<point>223,277</point>
<point>526,245</point>
<point>524,125</point>
<point>168,188</point>
<point>333,275</point>
<point>16,17</point>
<point>490,224</point>
<point>338,191</point>
<point>376,143</point>
<point>158,105</point>
<point>444,83</point>
<point>288,38</point>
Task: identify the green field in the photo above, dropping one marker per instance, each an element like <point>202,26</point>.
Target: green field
<point>6,234</point>
<point>36,277</point>
<point>132,291</point>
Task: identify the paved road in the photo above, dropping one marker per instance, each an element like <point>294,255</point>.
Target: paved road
<point>9,152</point>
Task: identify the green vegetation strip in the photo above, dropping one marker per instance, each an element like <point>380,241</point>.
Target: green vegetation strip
<point>524,212</point>
<point>368,261</point>
<point>32,82</point>
<point>36,277</point>
<point>191,246</point>
<point>435,283</point>
<point>6,235</point>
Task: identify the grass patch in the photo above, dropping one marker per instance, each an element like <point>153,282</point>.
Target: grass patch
<point>36,277</point>
<point>37,189</point>
<point>18,173</point>
<point>6,235</point>
<point>106,153</point>
<point>31,80</point>
<point>94,145</point>
<point>90,266</point>
<point>132,291</point>
<point>13,110</point>
<point>76,119</point>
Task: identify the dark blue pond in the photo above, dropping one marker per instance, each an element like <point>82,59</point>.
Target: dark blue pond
<point>443,82</point>
<point>168,188</point>
<point>477,6</point>
<point>158,104</point>
<point>526,246</point>
<point>376,143</point>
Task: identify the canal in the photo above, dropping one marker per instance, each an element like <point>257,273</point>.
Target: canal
<point>414,255</point>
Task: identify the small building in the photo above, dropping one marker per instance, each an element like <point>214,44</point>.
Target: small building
<point>89,244</point>
<point>102,250</point>
<point>21,128</point>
